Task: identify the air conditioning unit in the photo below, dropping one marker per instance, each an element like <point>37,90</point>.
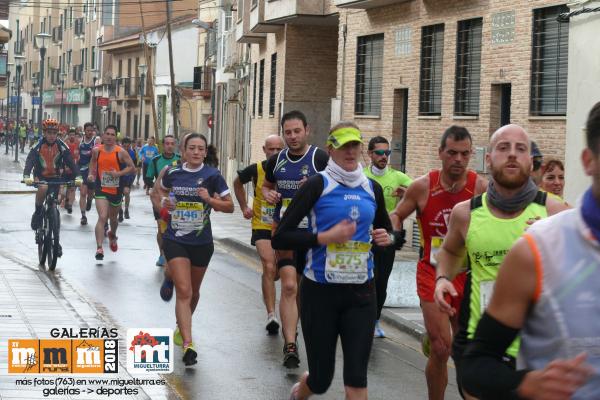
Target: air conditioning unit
<point>233,91</point>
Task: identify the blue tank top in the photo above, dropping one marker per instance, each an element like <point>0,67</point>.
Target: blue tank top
<point>85,153</point>
<point>288,175</point>
<point>351,262</point>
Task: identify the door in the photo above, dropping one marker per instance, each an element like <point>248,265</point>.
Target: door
<point>399,129</point>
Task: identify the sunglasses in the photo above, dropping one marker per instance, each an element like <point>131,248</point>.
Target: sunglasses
<point>382,152</point>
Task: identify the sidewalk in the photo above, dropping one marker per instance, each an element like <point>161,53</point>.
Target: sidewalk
<point>401,310</point>
<point>11,173</point>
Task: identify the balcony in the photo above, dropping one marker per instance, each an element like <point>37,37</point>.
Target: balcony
<point>230,58</point>
<point>243,34</point>
<point>299,12</point>
<point>202,82</point>
<point>366,4</point>
<point>257,19</point>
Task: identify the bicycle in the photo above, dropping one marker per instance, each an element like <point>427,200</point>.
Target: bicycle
<point>47,236</point>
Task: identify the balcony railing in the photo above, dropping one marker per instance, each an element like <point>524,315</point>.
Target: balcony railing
<point>202,81</point>
<point>366,4</point>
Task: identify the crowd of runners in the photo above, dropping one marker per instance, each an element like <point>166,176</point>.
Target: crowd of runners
<point>508,276</point>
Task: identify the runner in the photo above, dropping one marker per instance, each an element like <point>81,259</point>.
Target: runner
<point>128,179</point>
<point>108,165</point>
<point>284,174</point>
<point>138,167</point>
<point>553,178</point>
<point>167,158</point>
<point>187,192</point>
<point>73,145</point>
<point>484,229</point>
<point>433,196</point>
<point>47,159</point>
<point>261,214</point>
<point>394,184</point>
<point>547,289</point>
<point>337,296</point>
<point>86,191</point>
<point>147,154</point>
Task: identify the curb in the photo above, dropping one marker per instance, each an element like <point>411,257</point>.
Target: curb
<point>17,191</point>
<point>389,317</point>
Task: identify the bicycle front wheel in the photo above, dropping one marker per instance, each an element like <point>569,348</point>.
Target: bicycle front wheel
<point>53,243</point>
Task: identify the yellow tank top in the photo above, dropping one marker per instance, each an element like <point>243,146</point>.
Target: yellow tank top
<point>263,211</point>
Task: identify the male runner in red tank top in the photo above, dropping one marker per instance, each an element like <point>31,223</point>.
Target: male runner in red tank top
<point>432,196</point>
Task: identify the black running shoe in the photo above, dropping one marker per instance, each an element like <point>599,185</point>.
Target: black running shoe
<point>126,213</point>
<point>59,251</point>
<point>36,220</point>
<point>69,208</point>
<point>99,254</point>
<point>88,204</point>
<point>272,326</point>
<point>121,215</point>
<point>189,355</point>
<point>290,356</point>
<point>83,220</point>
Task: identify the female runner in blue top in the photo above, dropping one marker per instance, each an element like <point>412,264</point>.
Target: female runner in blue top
<point>337,292</point>
<point>189,192</point>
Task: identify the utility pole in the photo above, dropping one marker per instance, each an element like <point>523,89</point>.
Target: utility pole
<point>150,75</point>
<point>173,92</point>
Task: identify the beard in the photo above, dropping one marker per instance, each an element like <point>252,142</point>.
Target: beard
<point>510,181</point>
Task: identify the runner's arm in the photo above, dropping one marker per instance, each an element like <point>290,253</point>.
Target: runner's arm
<point>158,191</point>
<point>244,176</point>
<point>151,171</point>
<point>269,190</point>
<point>130,167</point>
<point>382,218</point>
<point>451,256</point>
<point>287,235</point>
<point>93,165</point>
<point>408,204</point>
<point>222,200</point>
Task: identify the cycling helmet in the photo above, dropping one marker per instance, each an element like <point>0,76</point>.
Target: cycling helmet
<point>50,123</point>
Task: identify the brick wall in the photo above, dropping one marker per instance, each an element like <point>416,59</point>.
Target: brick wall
<point>506,63</point>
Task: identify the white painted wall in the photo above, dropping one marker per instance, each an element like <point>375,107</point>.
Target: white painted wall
<point>185,48</point>
<point>583,93</point>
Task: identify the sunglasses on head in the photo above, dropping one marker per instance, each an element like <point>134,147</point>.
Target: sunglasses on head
<point>382,152</point>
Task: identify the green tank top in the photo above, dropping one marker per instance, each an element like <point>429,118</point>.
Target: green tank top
<point>389,182</point>
<point>488,240</point>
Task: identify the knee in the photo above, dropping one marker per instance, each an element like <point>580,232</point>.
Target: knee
<point>184,293</point>
<point>319,384</point>
<point>440,348</point>
<point>269,270</point>
<point>289,287</point>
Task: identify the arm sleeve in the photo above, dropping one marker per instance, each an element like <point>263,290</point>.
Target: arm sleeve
<point>270,168</point>
<point>247,174</point>
<point>484,355</point>
<point>30,161</point>
<point>321,159</point>
<point>382,218</point>
<point>287,235</point>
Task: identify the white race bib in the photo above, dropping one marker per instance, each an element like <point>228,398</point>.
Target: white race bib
<point>436,245</point>
<point>188,216</point>
<point>486,290</point>
<point>284,205</point>
<point>109,181</point>
<point>266,213</point>
<point>347,262</point>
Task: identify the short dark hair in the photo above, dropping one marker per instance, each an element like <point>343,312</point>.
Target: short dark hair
<point>592,129</point>
<point>87,124</point>
<point>110,126</point>
<point>457,133</point>
<point>167,136</point>
<point>377,140</point>
<point>295,114</point>
<point>126,140</point>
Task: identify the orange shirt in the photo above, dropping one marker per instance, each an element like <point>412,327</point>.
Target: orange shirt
<point>108,161</point>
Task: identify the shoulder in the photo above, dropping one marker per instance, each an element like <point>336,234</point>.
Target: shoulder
<point>555,206</point>
<point>156,157</point>
<point>481,185</point>
<point>419,187</point>
<point>461,212</point>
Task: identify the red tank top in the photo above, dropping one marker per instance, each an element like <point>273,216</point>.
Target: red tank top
<point>433,219</point>
<point>74,149</point>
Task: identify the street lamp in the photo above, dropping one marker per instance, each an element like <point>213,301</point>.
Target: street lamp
<point>40,41</point>
<point>33,96</point>
<point>142,69</point>
<point>8,68</point>
<point>18,60</point>
<point>95,74</point>
<point>63,75</point>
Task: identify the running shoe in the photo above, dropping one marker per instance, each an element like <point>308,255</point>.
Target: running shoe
<point>69,208</point>
<point>83,220</point>
<point>272,325</point>
<point>99,254</point>
<point>290,355</point>
<point>121,215</point>
<point>189,355</point>
<point>177,338</point>
<point>166,289</point>
<point>161,261</point>
<point>112,241</point>
<point>379,333</point>
<point>88,204</point>
<point>127,213</point>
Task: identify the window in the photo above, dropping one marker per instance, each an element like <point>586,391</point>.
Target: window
<point>468,67</point>
<point>93,63</point>
<point>273,84</point>
<point>146,125</point>
<point>261,83</point>
<point>85,59</point>
<point>228,19</point>
<point>120,69</point>
<point>254,90</point>
<point>369,75</point>
<point>432,54</point>
<point>135,125</point>
<point>549,59</point>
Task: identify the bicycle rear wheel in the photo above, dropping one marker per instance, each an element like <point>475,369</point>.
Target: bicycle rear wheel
<point>53,243</point>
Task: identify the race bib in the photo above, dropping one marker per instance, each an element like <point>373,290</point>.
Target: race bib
<point>347,262</point>
<point>149,154</point>
<point>486,289</point>
<point>284,205</point>
<point>436,244</point>
<point>188,216</point>
<point>109,181</point>
<point>266,213</point>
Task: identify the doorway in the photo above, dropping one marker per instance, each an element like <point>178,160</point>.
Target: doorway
<point>399,129</point>
<point>500,106</point>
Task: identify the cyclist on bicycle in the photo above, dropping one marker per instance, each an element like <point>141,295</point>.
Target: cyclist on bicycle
<point>48,160</point>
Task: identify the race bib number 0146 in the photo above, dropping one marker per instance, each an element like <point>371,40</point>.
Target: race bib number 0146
<point>188,216</point>
<point>347,262</point>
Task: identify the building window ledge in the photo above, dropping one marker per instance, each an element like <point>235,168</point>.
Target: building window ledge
<point>547,117</point>
<point>430,117</point>
<point>367,116</point>
<point>466,117</point>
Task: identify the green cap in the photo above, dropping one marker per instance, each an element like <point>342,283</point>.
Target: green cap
<point>341,136</point>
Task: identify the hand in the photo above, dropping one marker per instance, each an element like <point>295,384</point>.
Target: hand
<point>248,213</point>
<point>168,204</point>
<point>444,287</point>
<point>339,233</point>
<point>558,381</point>
<point>204,195</point>
<point>91,178</point>
<point>273,197</point>
<point>381,237</point>
<point>78,181</point>
<point>399,239</point>
<point>28,181</point>
<point>399,192</point>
